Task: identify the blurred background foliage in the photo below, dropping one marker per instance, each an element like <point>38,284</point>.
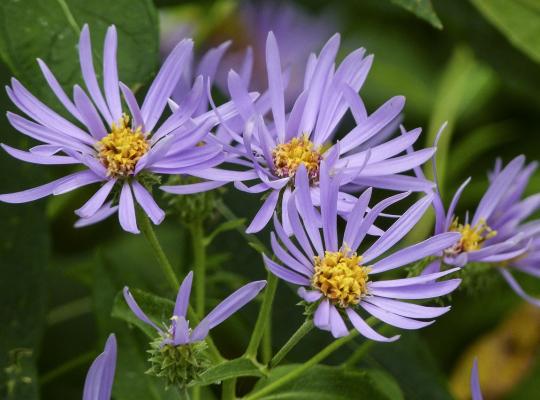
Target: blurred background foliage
<point>472,63</point>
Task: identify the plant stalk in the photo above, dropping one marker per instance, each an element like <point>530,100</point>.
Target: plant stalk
<point>302,331</point>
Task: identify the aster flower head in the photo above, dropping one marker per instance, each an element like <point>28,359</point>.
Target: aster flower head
<point>100,376</point>
<point>271,148</point>
<point>118,147</point>
<point>179,333</point>
<point>498,233</point>
<point>340,278</point>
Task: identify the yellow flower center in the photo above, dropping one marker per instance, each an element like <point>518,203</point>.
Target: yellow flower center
<point>120,150</point>
<point>288,157</point>
<point>472,237</point>
<point>340,277</point>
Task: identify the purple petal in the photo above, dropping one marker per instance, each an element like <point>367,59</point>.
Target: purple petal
<point>399,228</point>
<point>275,85</point>
<point>133,108</point>
<point>517,288</point>
<point>100,376</point>
<point>476,391</point>
<point>497,190</point>
<point>89,74</point>
<point>297,228</point>
<point>192,188</point>
<point>89,114</point>
<point>329,194</point>
<point>424,278</point>
<point>306,209</point>
<point>406,309</point>
<point>181,330</point>
<point>264,214</point>
<point>96,201</point>
<point>454,203</point>
<point>283,237</point>
<point>36,158</point>
<point>132,304</point>
<point>394,319</point>
<point>284,273</point>
<point>147,203</point>
<point>321,318</point>
<point>103,213</point>
<point>164,83</point>
<point>428,247</point>
<point>77,180</point>
<point>288,260</point>
<point>361,326</point>
<point>126,212</point>
<point>182,299</point>
<point>356,217</point>
<point>420,291</point>
<point>227,307</point>
<point>309,296</point>
<point>337,325</point>
<point>110,74</point>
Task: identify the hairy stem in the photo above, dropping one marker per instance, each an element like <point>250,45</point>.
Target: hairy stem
<point>320,356</point>
<point>302,331</point>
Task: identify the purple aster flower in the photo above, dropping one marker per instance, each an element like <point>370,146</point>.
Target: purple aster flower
<point>497,233</point>
<point>100,376</point>
<point>116,148</point>
<point>272,149</point>
<point>179,332</point>
<point>342,281</point>
<point>476,393</point>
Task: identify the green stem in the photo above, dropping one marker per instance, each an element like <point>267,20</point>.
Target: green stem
<point>199,255</point>
<point>66,367</point>
<point>264,316</point>
<point>163,261</point>
<point>266,345</point>
<point>196,392</point>
<point>228,389</point>
<point>302,331</point>
<point>295,372</point>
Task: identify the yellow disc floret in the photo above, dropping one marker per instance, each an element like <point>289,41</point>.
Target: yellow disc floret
<point>299,150</point>
<point>341,277</point>
<point>120,150</point>
<point>472,237</point>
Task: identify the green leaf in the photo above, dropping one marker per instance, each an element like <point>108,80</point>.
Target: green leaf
<point>24,254</point>
<point>50,30</point>
<point>230,369</point>
<point>332,383</point>
<point>224,227</point>
<point>517,20</point>
<point>156,308</point>
<point>422,9</point>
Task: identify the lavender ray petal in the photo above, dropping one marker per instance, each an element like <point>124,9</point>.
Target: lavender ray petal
<point>126,210</point>
<point>517,288</point>
<point>337,325</point>
<point>182,299</point>
<point>192,188</point>
<point>407,309</point>
<point>291,262</point>
<point>77,180</point>
<point>356,216</point>
<point>133,107</point>
<point>36,158</point>
<point>306,209</point>
<point>321,318</point>
<point>110,74</point>
<point>275,85</point>
<point>96,201</point>
<point>147,203</point>
<point>476,391</point>
<point>365,330</point>
<point>399,228</point>
<point>291,247</point>
<point>264,214</point>
<point>285,273</point>
<point>421,291</point>
<point>89,74</point>
<point>132,304</point>
<point>89,114</point>
<point>103,213</point>
<point>230,305</point>
<point>424,278</point>
<point>309,296</point>
<point>394,319</point>
<point>428,247</point>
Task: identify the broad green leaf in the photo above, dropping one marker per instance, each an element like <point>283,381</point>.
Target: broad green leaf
<point>24,254</point>
<point>422,9</point>
<point>158,309</point>
<point>333,383</point>
<point>50,30</point>
<point>518,20</point>
<point>230,369</point>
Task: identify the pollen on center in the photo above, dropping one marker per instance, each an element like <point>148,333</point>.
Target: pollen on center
<point>340,277</point>
<point>472,237</point>
<point>299,150</point>
<point>122,148</point>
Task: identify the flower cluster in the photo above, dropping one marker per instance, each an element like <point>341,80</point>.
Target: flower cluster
<point>285,146</point>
